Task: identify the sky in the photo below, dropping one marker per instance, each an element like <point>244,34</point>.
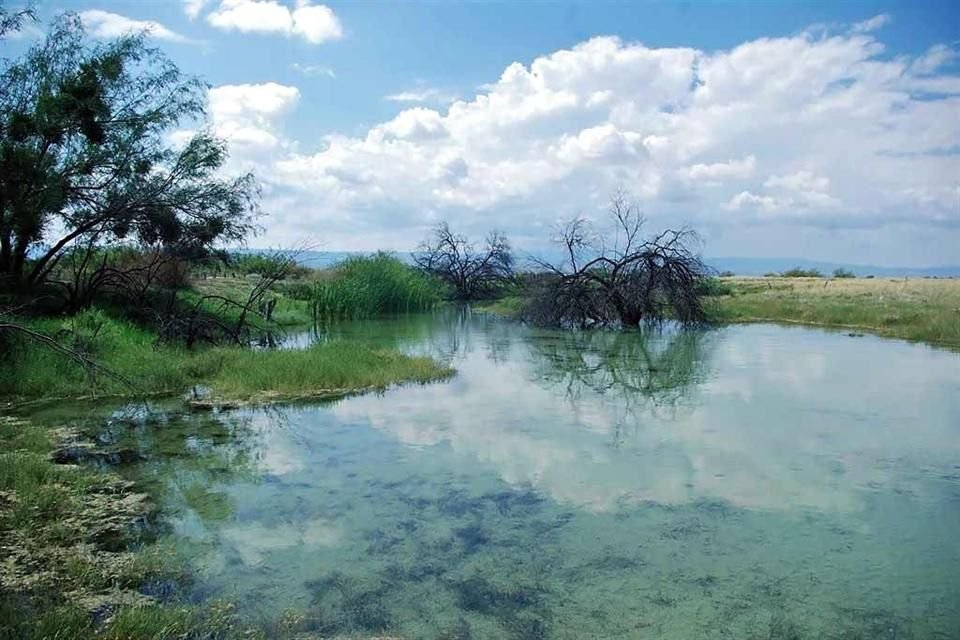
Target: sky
<point>825,131</point>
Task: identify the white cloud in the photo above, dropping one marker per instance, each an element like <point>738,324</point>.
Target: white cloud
<point>315,23</point>
<point>435,96</point>
<point>314,70</point>
<point>747,200</point>
<point>935,57</point>
<point>872,24</point>
<point>718,172</point>
<point>248,116</point>
<point>193,8</point>
<point>799,181</point>
<point>103,24</point>
<point>818,130</point>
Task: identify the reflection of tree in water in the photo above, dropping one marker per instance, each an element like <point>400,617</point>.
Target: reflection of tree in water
<point>652,370</point>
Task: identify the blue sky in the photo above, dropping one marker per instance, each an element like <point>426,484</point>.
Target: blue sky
<point>820,130</point>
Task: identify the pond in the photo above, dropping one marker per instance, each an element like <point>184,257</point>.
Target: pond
<point>745,482</point>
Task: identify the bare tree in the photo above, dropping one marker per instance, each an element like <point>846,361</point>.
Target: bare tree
<point>620,278</point>
<point>472,273</point>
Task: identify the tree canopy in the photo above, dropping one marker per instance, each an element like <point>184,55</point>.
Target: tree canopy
<point>87,159</point>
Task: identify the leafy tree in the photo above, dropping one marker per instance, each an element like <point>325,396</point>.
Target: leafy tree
<point>85,160</point>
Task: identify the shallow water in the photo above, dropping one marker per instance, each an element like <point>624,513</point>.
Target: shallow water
<point>747,482</point>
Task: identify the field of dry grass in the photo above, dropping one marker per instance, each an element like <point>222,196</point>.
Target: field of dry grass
<point>925,310</point>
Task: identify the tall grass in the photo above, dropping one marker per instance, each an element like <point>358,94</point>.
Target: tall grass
<point>364,287</point>
<point>32,371</point>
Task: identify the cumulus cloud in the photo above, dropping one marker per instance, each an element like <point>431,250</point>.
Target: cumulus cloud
<point>247,114</point>
<point>817,129</point>
<point>248,117</point>
<point>315,23</point>
<point>103,24</point>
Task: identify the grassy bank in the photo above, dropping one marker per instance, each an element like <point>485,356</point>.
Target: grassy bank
<point>912,309</point>
<point>921,310</point>
<point>32,371</point>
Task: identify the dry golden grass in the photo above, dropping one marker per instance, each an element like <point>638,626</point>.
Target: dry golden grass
<point>920,309</point>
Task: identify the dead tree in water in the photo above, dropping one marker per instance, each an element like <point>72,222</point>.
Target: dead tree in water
<point>620,278</point>
<point>472,273</point>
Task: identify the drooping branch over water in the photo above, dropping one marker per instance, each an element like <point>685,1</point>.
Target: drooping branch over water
<point>615,277</point>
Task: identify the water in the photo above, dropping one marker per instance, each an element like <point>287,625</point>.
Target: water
<point>747,482</point>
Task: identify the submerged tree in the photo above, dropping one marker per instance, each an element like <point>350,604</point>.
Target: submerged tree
<point>85,161</point>
<point>472,273</point>
<point>620,278</point>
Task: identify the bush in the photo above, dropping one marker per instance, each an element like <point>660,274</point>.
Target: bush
<point>797,272</point>
<point>714,287</point>
<point>843,273</point>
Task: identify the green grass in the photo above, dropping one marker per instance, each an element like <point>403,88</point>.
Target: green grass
<point>506,307</point>
<point>31,371</point>
<point>365,287</point>
<point>288,311</point>
<point>920,310</point>
<point>334,366</point>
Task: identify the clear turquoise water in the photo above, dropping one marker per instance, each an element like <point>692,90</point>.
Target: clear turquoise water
<point>746,482</point>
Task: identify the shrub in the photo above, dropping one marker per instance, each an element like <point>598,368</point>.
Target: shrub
<point>843,273</point>
<point>797,272</point>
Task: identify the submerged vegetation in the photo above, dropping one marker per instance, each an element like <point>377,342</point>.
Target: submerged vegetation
<point>67,571</point>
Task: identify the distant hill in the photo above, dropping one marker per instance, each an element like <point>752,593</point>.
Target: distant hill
<point>739,266</point>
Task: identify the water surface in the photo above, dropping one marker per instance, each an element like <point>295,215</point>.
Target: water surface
<point>746,482</point>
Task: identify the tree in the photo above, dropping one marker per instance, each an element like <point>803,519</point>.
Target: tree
<point>620,278</point>
<point>11,21</point>
<point>472,273</point>
<point>85,162</point>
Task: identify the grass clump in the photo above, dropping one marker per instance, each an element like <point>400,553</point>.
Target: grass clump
<point>31,371</point>
<point>506,307</point>
<point>333,366</point>
<point>364,287</point>
<point>912,309</point>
